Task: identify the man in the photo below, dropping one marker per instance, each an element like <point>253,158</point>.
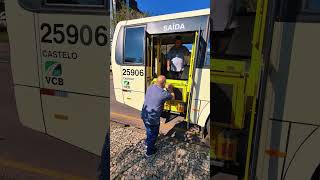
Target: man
<point>175,58</point>
<point>154,100</point>
<point>224,23</point>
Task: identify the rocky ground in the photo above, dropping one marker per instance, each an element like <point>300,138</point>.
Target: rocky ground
<point>177,158</point>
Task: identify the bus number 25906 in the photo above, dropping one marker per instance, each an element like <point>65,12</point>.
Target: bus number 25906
<point>71,34</point>
<point>132,72</point>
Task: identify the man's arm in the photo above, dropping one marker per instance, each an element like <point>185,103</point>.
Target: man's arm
<point>173,96</point>
<point>168,64</point>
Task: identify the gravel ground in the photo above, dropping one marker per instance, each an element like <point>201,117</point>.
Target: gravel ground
<point>176,158</point>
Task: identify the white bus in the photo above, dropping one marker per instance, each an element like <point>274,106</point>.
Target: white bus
<point>138,56</point>
<point>60,66</point>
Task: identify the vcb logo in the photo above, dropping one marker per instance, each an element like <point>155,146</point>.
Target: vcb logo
<point>126,84</point>
<point>53,70</point>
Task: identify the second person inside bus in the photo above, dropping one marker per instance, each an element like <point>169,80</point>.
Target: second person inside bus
<point>176,59</point>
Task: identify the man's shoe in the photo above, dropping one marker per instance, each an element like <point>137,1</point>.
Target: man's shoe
<point>149,155</point>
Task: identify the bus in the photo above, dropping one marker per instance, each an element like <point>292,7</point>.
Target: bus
<point>265,122</point>
<point>138,57</point>
<point>60,67</point>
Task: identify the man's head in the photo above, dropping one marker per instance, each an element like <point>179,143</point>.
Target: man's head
<point>178,41</point>
<point>161,81</point>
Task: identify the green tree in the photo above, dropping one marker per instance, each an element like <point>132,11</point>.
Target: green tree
<point>127,13</point>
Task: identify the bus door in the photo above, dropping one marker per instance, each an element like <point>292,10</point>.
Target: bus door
<point>135,68</point>
<point>150,63</point>
<point>197,55</point>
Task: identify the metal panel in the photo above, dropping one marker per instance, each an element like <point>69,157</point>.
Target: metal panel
<point>23,50</point>
<point>273,164</point>
<point>84,68</point>
<point>303,152</point>
<point>133,99</point>
<point>29,107</point>
<point>294,72</point>
<point>86,129</point>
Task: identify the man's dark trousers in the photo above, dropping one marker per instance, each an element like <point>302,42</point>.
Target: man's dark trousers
<point>152,134</point>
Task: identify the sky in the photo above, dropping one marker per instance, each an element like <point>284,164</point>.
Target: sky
<point>159,7</point>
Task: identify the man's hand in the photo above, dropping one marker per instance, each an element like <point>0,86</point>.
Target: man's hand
<point>170,89</point>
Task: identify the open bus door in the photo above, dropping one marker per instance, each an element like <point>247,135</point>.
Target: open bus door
<point>136,68</point>
<point>184,88</point>
<point>198,52</point>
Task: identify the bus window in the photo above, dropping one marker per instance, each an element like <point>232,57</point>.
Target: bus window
<point>75,2</point>
<point>299,11</point>
<point>202,53</point>
<point>66,6</point>
<point>134,45</point>
<point>313,5</point>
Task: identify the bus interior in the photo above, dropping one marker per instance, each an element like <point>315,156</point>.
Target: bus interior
<point>158,47</point>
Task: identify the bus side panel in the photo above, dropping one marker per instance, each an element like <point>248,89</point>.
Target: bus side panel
<point>202,84</point>
<point>117,45</point>
<point>201,97</point>
<point>204,112</point>
<point>264,134</point>
<point>133,86</point>
<point>275,145</point>
<point>298,64</point>
<point>307,158</point>
<point>23,52</point>
<point>302,88</point>
<point>290,101</point>
<point>84,63</point>
<point>273,133</point>
<point>29,107</point>
<point>268,104</point>
<point>119,95</point>
<point>85,130</point>
<point>134,99</point>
